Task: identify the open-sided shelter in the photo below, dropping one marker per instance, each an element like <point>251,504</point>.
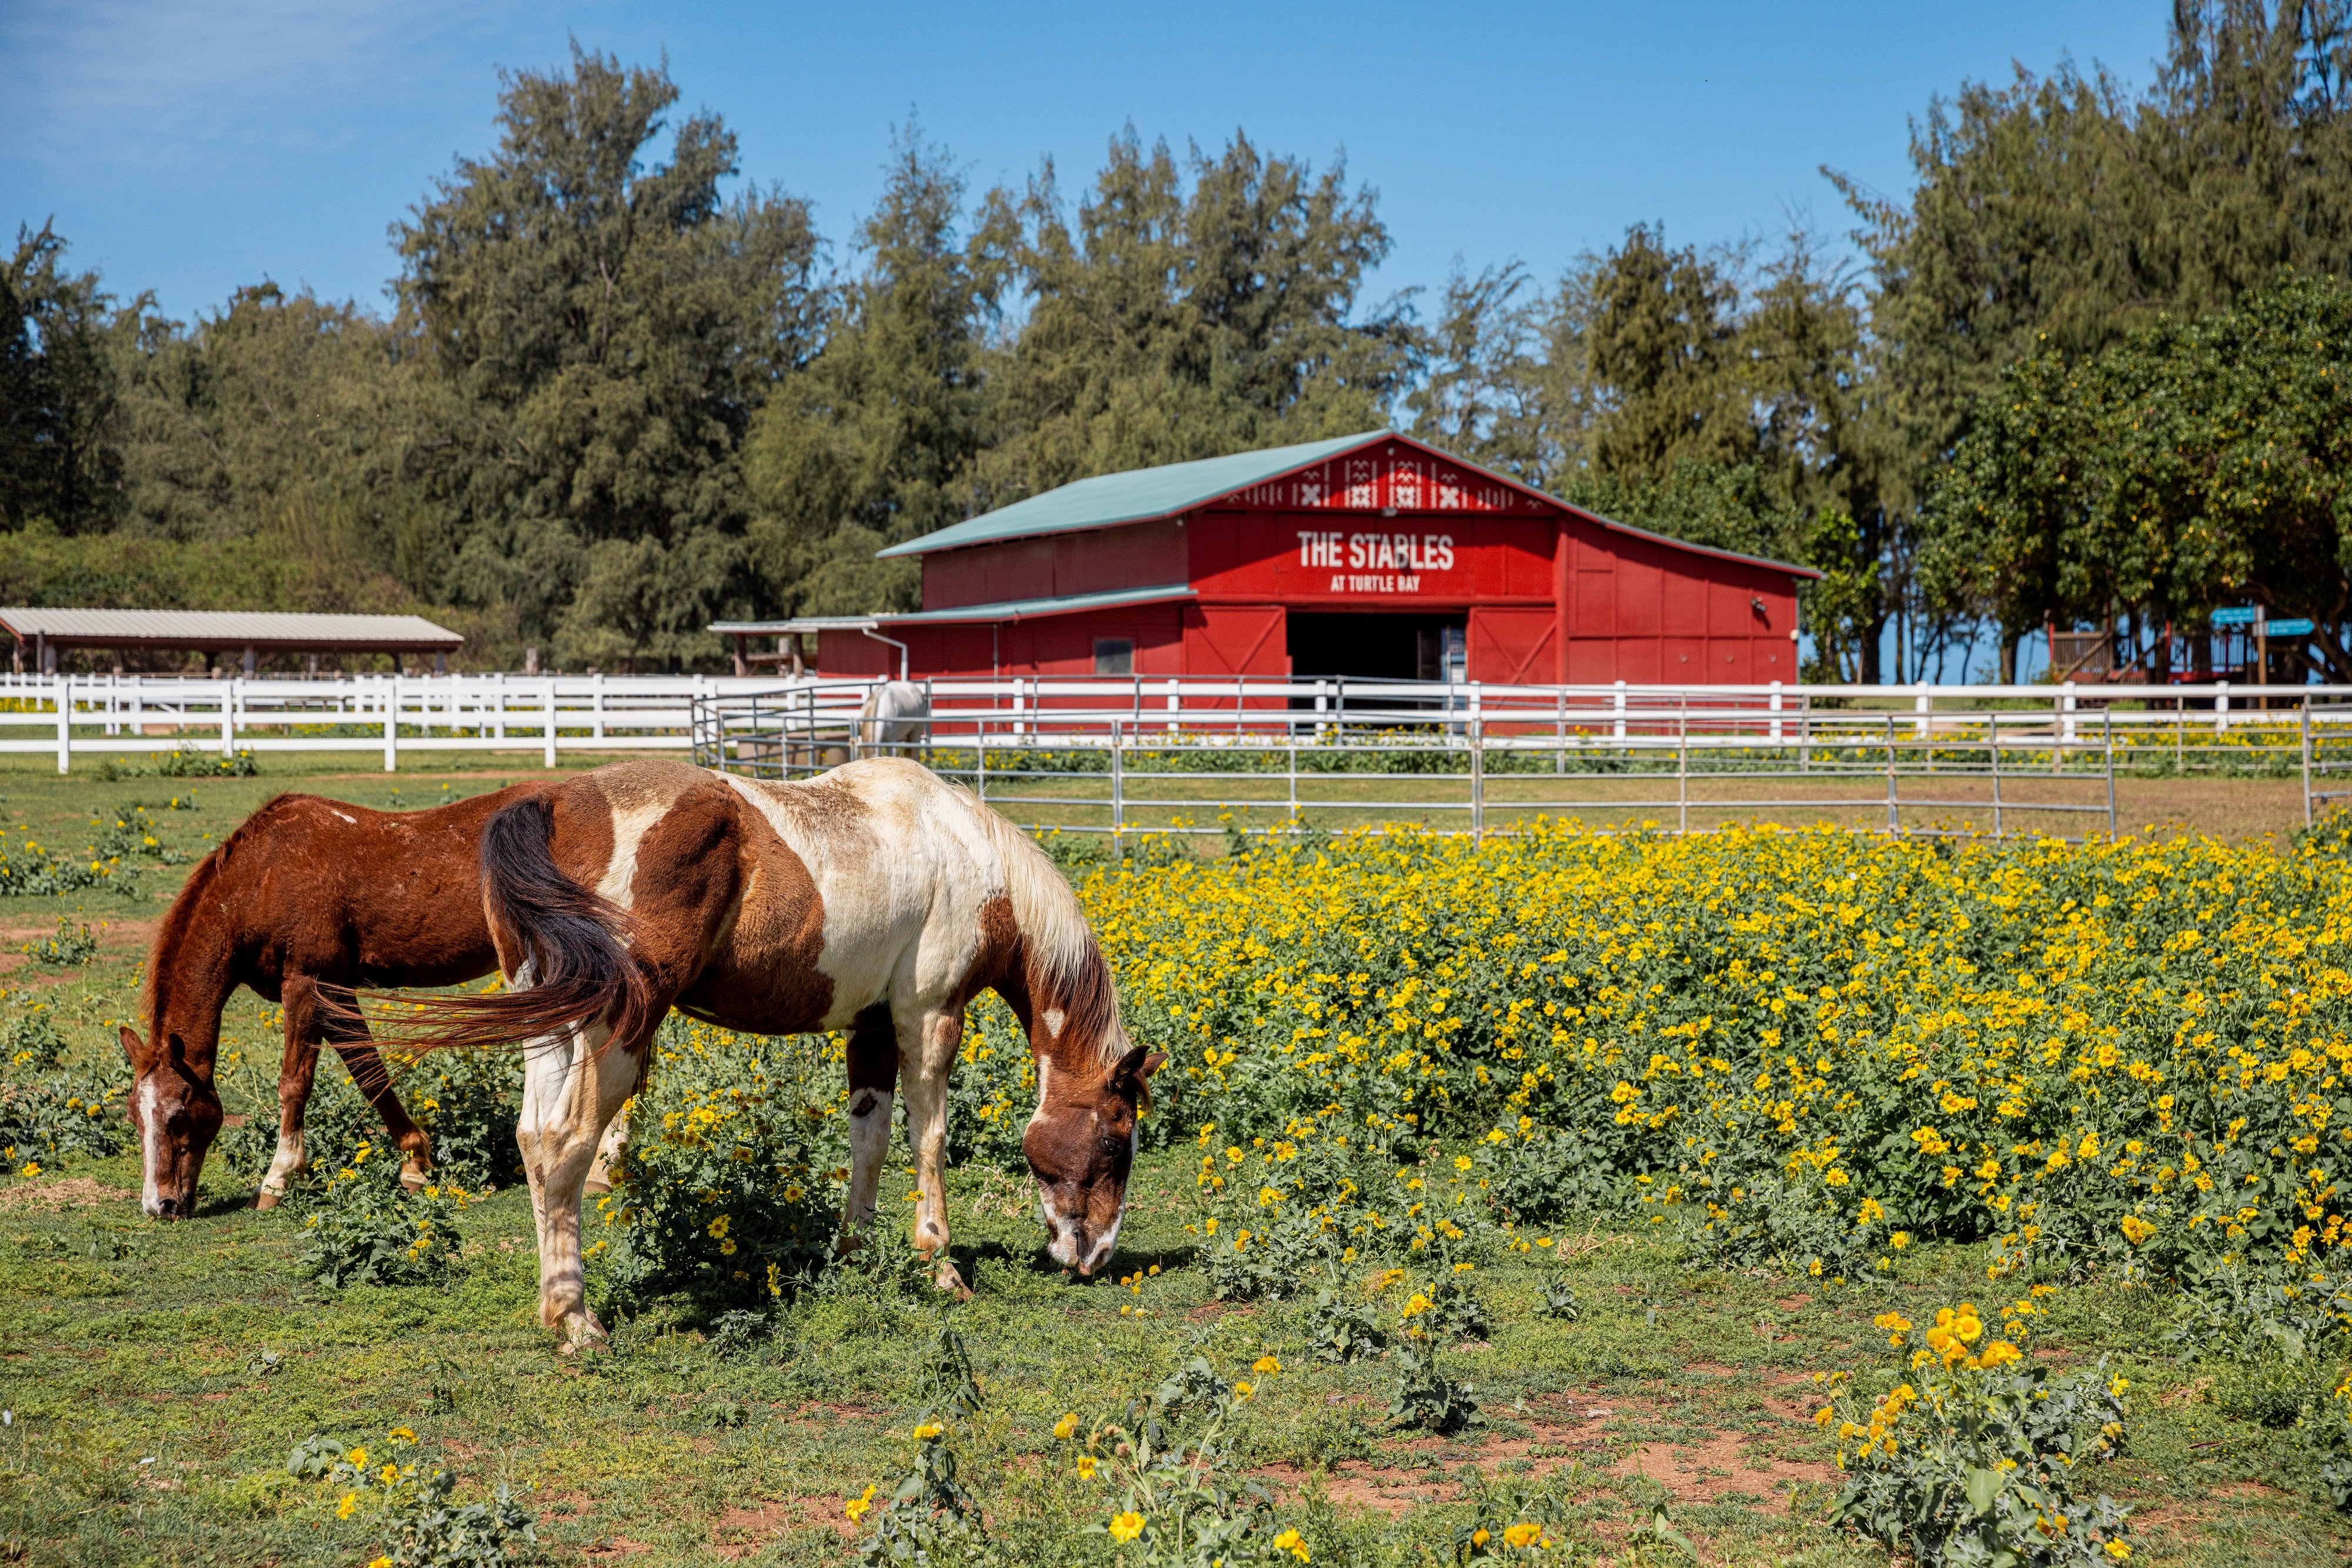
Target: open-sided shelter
<point>247,635</point>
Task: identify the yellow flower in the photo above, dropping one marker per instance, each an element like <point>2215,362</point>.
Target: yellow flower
<point>1522,1533</point>
<point>403,1435</point>
<point>2135,1229</point>
<point>1125,1526</point>
<point>1086,1467</point>
<point>719,1228</point>
<point>1480,1536</point>
<point>727,1246</point>
<point>1289,1541</point>
<point>858,1505</point>
<point>2119,1550</point>
<point>1066,1426</point>
<point>357,1459</point>
<point>1265,1363</point>
<point>349,1506</point>
<point>1245,1389</point>
<point>928,1430</point>
<point>380,1562</point>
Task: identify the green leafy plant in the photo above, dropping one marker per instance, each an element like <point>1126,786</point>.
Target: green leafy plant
<point>1978,1457</point>
<point>72,946</point>
<point>1164,1466</point>
<point>365,1227</point>
<point>1342,1331</point>
<point>1560,1302</point>
<point>414,1503</point>
<point>729,1186</point>
<point>1424,1396</point>
<point>49,1111</point>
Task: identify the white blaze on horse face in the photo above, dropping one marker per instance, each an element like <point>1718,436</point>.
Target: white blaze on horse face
<point>1052,1019</point>
<point>150,1148</point>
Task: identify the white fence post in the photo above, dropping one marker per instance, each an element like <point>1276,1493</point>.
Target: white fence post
<point>228,717</point>
<point>550,730</point>
<point>391,724</point>
<point>498,705</point>
<point>2221,708</point>
<point>1776,713</point>
<point>596,706</point>
<point>1620,713</point>
<point>62,689</point>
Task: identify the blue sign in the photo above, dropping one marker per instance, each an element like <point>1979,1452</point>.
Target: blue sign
<point>2289,628</point>
<point>2243,616</point>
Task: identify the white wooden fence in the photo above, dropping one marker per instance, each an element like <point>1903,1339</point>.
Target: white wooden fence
<point>2191,727</point>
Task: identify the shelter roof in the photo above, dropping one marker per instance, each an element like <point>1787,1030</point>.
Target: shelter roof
<point>263,631</point>
<point>1147,494</point>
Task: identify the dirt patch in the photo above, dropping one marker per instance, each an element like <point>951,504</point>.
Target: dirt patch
<point>72,1192</point>
<point>1705,1471</point>
<point>616,1546</point>
<point>740,1532</point>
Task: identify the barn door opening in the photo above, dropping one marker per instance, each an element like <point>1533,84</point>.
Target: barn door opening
<point>1371,646</point>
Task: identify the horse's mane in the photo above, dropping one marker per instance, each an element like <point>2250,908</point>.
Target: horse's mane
<point>1059,941</point>
<point>188,920</point>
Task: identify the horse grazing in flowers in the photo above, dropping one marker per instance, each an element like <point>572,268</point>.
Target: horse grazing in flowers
<point>306,899</point>
<point>876,898</point>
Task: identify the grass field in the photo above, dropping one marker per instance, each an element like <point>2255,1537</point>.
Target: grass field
<point>155,1377</point>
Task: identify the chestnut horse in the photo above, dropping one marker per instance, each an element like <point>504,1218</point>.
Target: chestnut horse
<point>306,893</point>
<point>876,898</point>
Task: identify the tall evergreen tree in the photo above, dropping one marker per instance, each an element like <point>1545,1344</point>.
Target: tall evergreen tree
<point>873,444</point>
<point>607,329</point>
<point>1193,310</point>
<point>61,455</point>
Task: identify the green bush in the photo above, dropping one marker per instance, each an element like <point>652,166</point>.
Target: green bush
<point>1980,1458</point>
<point>49,1111</point>
<point>730,1186</point>
<point>467,1103</point>
<point>414,1503</point>
<point>364,1227</point>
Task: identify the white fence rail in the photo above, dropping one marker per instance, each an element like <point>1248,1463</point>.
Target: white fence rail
<point>1155,723</point>
<point>93,714</point>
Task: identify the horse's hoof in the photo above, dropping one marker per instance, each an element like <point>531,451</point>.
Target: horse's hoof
<point>596,1186</point>
<point>265,1198</point>
<point>582,1331</point>
<point>410,1177</point>
<point>947,1279</point>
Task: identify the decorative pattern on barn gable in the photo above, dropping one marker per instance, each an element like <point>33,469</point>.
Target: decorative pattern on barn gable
<point>1409,481</point>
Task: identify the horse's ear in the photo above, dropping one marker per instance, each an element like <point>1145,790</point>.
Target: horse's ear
<point>1133,1072</point>
<point>133,1048</point>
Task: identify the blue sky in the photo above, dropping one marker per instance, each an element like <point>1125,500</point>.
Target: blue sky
<point>192,148</point>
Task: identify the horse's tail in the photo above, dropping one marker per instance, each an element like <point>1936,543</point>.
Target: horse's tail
<point>571,948</point>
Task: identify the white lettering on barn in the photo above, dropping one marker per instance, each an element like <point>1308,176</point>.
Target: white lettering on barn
<point>1377,563</point>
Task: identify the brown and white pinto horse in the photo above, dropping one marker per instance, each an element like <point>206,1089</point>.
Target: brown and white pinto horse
<point>305,893</point>
<point>876,898</point>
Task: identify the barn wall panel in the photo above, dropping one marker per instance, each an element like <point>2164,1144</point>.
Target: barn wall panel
<point>1514,645</point>
<point>1147,555</point>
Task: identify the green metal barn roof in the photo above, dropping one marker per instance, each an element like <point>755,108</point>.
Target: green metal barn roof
<point>1143,495</point>
<point>1136,497</point>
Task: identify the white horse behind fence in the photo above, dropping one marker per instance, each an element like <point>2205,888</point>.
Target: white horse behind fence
<point>895,717</point>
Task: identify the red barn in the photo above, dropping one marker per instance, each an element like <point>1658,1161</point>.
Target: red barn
<point>1373,556</point>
